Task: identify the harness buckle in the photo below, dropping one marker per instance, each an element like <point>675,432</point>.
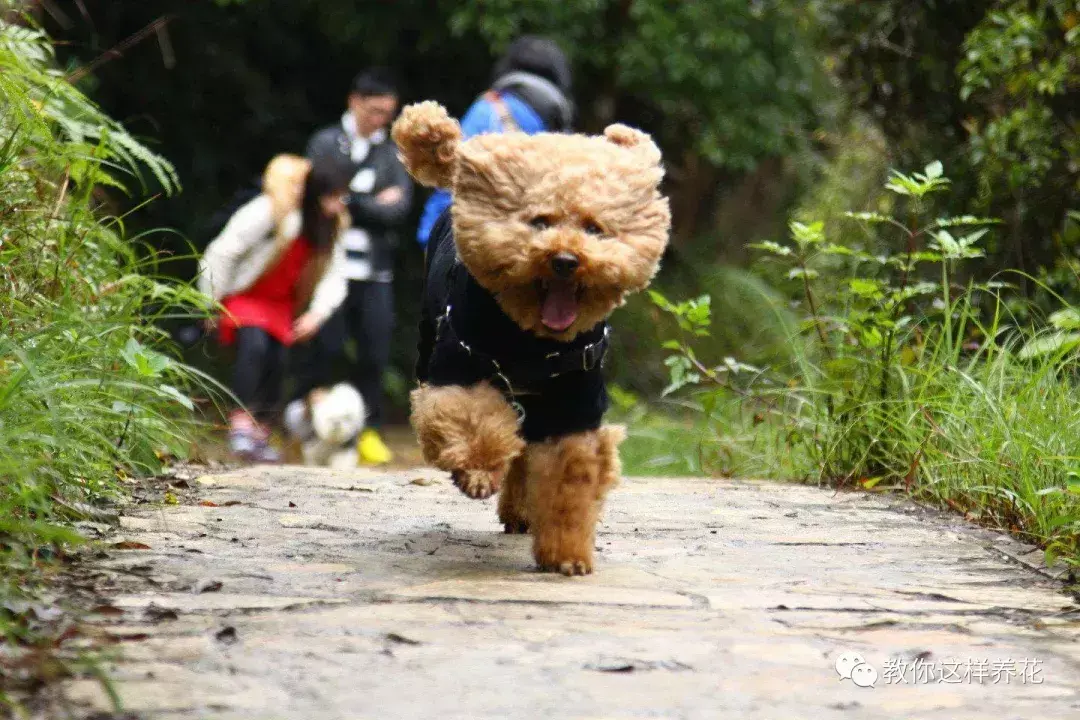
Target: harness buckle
<point>443,319</point>
<point>520,410</point>
<point>592,355</point>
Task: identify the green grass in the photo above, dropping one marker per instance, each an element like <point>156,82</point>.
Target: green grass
<point>994,438</point>
<point>898,378</point>
<point>90,391</point>
<point>734,439</point>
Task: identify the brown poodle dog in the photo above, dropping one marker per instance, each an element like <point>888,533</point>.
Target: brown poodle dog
<point>546,236</point>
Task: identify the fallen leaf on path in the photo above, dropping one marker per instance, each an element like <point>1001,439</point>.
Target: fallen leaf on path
<point>230,503</point>
<point>106,610</point>
<point>209,503</point>
<point>206,585</point>
<point>361,488</point>
<point>422,481</point>
<point>171,499</point>
<point>129,545</point>
<point>292,504</point>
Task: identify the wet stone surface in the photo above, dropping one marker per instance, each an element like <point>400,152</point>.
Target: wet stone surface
<point>300,593</point>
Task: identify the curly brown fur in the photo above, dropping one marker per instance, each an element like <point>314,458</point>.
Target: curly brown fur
<point>560,229</point>
<point>566,481</point>
<point>470,432</point>
<point>512,513</point>
<point>520,200</point>
<point>427,138</point>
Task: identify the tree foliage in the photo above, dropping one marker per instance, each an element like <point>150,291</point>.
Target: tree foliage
<point>990,87</point>
<point>731,79</point>
<point>1020,80</point>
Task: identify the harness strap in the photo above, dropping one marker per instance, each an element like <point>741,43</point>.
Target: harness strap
<point>517,378</point>
<point>502,110</point>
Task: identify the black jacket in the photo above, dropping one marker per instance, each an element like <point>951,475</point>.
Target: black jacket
<point>466,338</point>
<point>379,170</point>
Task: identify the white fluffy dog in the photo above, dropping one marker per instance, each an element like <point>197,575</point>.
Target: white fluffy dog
<point>326,423</point>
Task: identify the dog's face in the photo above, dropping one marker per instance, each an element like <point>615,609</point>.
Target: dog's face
<point>337,415</point>
<point>560,228</point>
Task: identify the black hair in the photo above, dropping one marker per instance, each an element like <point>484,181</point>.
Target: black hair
<point>376,81</point>
<point>324,178</point>
<point>539,56</point>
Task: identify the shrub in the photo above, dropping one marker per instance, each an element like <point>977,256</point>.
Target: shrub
<point>90,391</point>
<point>903,377</point>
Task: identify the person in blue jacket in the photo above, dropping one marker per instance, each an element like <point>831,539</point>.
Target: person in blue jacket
<point>530,93</point>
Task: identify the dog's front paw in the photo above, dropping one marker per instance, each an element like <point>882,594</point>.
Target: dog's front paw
<point>563,550</point>
<point>567,566</point>
<point>477,484</point>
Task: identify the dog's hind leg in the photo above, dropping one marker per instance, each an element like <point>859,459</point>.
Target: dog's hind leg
<point>566,481</point>
<point>471,432</point>
<point>512,511</point>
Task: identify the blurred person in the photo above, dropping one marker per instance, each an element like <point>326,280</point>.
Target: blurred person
<point>278,270</point>
<point>530,92</point>
<point>380,195</point>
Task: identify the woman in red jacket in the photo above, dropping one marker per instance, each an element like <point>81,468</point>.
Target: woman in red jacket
<point>277,268</point>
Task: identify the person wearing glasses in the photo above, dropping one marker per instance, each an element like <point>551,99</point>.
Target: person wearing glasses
<point>380,194</point>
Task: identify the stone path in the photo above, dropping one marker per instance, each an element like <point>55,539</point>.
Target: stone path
<point>391,595</point>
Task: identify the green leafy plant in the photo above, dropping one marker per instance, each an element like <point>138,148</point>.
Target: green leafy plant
<point>990,88</point>
<point>906,377</point>
<point>91,391</point>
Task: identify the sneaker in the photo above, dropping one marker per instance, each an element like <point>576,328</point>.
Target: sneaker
<point>242,444</point>
<point>249,440</point>
<point>372,449</point>
<point>243,438</point>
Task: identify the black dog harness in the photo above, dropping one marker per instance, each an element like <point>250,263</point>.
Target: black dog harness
<point>526,374</point>
<point>465,338</point>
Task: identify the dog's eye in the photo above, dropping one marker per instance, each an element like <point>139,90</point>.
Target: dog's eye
<point>541,222</point>
<point>592,227</point>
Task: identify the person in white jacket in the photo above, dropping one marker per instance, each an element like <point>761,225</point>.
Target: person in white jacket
<point>278,270</point>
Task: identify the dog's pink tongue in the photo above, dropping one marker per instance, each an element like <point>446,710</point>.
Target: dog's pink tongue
<point>560,307</point>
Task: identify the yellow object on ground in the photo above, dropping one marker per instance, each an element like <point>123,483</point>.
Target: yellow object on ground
<point>372,449</point>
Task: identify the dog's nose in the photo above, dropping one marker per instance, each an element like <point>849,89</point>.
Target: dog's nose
<point>564,264</point>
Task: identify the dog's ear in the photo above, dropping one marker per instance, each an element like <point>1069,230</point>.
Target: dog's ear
<point>634,140</point>
<point>427,139</point>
